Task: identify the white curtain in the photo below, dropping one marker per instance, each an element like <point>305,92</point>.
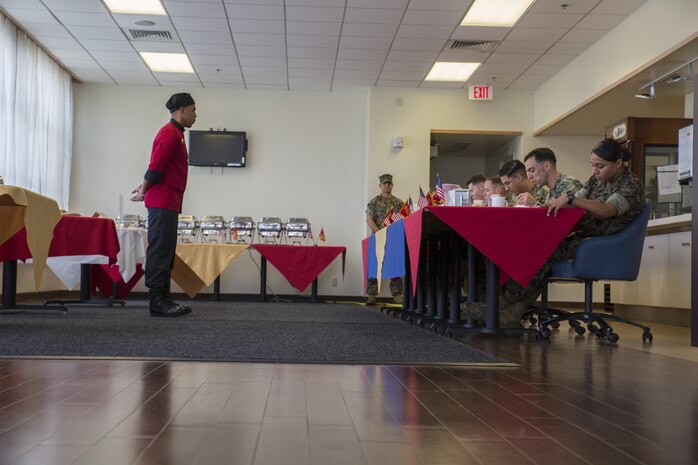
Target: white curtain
<point>36,117</point>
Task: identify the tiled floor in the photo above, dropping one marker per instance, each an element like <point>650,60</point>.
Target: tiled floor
<point>574,400</point>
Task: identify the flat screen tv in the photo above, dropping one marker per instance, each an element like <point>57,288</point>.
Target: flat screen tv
<point>217,148</point>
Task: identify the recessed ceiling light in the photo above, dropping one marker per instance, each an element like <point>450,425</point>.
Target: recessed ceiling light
<point>503,13</point>
<point>136,7</point>
<point>167,62</point>
<point>144,22</point>
<point>451,71</point>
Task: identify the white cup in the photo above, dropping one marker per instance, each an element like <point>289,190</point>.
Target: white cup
<point>498,201</point>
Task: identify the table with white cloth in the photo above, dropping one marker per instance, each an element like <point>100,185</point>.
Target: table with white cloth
<point>117,279</point>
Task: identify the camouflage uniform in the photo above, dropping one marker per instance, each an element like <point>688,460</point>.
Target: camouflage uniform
<point>563,185</point>
<point>626,194</point>
<point>540,193</point>
<point>379,207</point>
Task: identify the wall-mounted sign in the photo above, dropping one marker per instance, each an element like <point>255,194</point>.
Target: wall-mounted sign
<point>480,92</point>
<point>619,131</point>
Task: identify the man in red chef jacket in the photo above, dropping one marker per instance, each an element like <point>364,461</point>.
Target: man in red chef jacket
<point>163,191</point>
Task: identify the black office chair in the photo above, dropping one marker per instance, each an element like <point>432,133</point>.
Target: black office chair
<point>613,257</point>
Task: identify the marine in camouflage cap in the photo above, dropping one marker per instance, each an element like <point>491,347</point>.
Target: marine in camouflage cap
<point>380,205</point>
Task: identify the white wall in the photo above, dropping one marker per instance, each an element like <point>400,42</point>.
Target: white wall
<point>306,159</point>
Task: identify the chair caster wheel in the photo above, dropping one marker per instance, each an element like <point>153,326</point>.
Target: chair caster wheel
<point>612,337</point>
<point>544,333</point>
<point>646,336</point>
<point>580,330</point>
<point>593,328</point>
<point>573,323</point>
<point>532,320</point>
<point>555,324</point>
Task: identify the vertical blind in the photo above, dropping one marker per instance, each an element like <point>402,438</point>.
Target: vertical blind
<point>36,117</point>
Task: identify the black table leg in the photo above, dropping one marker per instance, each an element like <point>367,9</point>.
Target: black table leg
<point>85,294</point>
<point>263,279</point>
<point>313,291</point>
<point>216,289</point>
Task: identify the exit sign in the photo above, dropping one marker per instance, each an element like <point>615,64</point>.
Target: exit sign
<point>480,92</point>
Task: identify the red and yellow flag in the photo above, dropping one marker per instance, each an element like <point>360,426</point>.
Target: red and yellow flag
<point>322,234</point>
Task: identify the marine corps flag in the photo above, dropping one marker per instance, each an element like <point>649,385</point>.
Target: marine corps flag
<point>322,234</point>
<point>405,210</point>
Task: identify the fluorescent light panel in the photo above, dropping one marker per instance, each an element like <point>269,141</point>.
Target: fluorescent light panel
<point>451,71</point>
<point>136,7</point>
<point>504,13</point>
<point>167,62</point>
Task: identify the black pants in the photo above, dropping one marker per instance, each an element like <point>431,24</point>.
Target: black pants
<point>162,242</point>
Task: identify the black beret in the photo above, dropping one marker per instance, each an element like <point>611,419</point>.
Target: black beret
<point>178,101</point>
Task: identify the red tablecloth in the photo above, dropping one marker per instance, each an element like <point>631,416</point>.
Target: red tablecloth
<point>73,235</point>
<point>300,264</point>
<point>104,277</point>
<point>517,240</point>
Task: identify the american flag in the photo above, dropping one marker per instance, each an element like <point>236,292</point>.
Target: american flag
<point>387,220</point>
<point>395,216</point>
<point>439,195</point>
<point>409,200</point>
<point>422,201</point>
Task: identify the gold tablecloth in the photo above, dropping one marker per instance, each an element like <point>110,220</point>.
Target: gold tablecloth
<point>198,265</point>
<point>20,208</point>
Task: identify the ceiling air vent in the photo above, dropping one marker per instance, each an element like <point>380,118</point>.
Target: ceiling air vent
<point>141,34</point>
<point>482,45</point>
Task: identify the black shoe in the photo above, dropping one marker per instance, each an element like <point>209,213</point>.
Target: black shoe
<point>185,308</point>
<point>160,306</point>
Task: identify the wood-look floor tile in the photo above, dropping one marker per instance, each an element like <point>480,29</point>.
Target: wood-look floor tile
<point>497,453</point>
<point>53,454</point>
<point>325,405</point>
<point>154,414</point>
<point>547,452</point>
<point>371,418</point>
<point>413,379</point>
<point>335,445</point>
<point>390,453</point>
<point>405,407</point>
<point>246,403</point>
<point>204,406</point>
<point>437,446</point>
<point>228,444</point>
<point>176,445</point>
<point>514,404</point>
<point>442,379</point>
<point>283,440</point>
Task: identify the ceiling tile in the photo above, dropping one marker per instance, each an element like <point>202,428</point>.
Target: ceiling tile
<point>608,22</point>
<point>129,21</point>
<point>257,26</point>
<point>161,47</point>
<point>274,80</point>
<point>84,19</point>
<point>463,56</point>
<point>369,30</point>
<point>312,52</point>
<point>22,4</point>
<point>494,68</point>
<point>356,54</point>
<point>125,57</point>
<point>210,49</point>
<point>368,43</point>
<point>220,78</point>
<point>121,69</point>
<point>72,54</point>
<point>250,71</point>
<point>495,79</point>
<point>335,3</point>
<point>403,43</point>
<point>399,55</point>
<point>195,9</point>
<point>61,43</point>
<point>388,83</point>
<point>258,12</point>
<point>554,6</point>
<point>205,37</point>
<point>522,86</point>
<point>269,62</point>
<point>543,69</point>
<point>588,36</point>
<point>549,20</point>
<point>555,59</point>
<point>416,31</point>
<point>177,77</point>
<point>395,4</point>
<point>180,84</point>
<point>200,24</point>
<point>568,48</point>
<point>111,45</point>
<point>144,81</point>
<point>315,63</point>
<point>267,87</point>
<point>246,38</point>
<point>225,85</point>
<point>225,61</point>
<point>531,79</point>
<point>341,82</point>
<point>325,74</point>
<point>442,84</point>
<point>515,46</point>
<point>403,75</point>
<point>483,33</point>
<point>87,6</point>
<point>46,30</point>
<point>536,35</point>
<point>519,58</point>
<point>356,73</point>
<point>460,5</point>
<point>91,32</point>
<point>305,13</point>
<point>21,16</point>
<point>375,65</point>
<point>373,15</point>
<point>302,40</point>
<point>260,51</point>
<point>618,7</point>
<point>422,67</point>
<point>313,28</point>
<point>214,73</point>
<point>433,18</point>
